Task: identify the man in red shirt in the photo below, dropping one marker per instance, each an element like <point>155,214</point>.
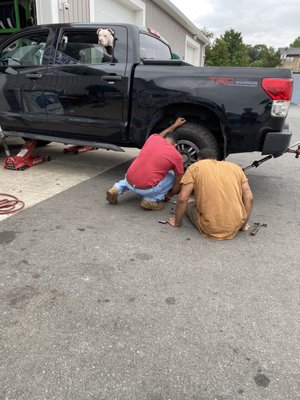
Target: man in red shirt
<point>156,172</point>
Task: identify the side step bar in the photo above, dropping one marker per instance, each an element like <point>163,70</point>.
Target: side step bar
<point>97,145</point>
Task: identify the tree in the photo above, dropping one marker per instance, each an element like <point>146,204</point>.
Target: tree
<point>237,50</point>
<point>209,34</point>
<point>228,50</point>
<point>296,42</point>
<point>217,54</point>
<point>262,56</point>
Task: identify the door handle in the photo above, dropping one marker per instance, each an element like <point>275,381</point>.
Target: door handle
<point>112,78</point>
<point>33,76</point>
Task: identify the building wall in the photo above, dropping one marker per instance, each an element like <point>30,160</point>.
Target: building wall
<point>170,29</point>
<point>130,11</point>
<point>293,65</point>
<point>47,11</point>
<point>78,11</point>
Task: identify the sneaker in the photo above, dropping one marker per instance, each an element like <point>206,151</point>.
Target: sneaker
<point>112,195</point>
<point>152,205</point>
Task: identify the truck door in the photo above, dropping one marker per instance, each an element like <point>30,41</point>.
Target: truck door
<point>87,85</point>
<point>22,71</point>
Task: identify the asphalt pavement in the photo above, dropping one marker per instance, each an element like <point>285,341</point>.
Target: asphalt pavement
<point>102,302</point>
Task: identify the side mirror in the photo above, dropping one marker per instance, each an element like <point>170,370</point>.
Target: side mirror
<point>175,56</point>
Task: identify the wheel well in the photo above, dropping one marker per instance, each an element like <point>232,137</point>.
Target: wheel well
<point>193,113</point>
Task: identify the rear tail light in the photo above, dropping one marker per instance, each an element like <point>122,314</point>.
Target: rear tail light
<point>280,90</point>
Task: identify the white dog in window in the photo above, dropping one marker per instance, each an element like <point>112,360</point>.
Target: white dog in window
<point>106,38</point>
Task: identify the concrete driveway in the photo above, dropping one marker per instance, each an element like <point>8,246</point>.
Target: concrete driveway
<point>102,302</point>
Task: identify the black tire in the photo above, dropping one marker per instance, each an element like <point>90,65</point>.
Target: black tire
<point>191,138</point>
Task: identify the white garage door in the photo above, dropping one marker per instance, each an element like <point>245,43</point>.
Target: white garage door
<point>192,51</point>
<point>130,11</point>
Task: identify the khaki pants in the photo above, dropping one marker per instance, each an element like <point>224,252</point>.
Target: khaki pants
<point>192,213</point>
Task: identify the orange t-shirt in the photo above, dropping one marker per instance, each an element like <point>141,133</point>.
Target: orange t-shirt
<point>218,193</point>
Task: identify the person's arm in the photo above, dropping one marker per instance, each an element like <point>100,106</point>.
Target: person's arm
<point>247,198</point>
<point>179,122</point>
<point>182,200</point>
<point>176,188</point>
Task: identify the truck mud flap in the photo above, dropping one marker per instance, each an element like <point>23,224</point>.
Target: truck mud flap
<point>276,143</point>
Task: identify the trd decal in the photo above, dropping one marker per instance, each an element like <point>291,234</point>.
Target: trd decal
<point>228,81</point>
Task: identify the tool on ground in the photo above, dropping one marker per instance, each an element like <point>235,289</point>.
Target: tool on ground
<point>297,151</point>
<point>257,163</point>
<point>10,204</point>
<point>25,158</point>
<point>162,221</point>
<point>256,228</point>
<point>78,149</point>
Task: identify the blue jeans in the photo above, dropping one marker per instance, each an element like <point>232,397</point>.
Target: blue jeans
<point>156,193</point>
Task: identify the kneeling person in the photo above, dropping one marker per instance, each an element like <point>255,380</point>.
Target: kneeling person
<point>223,198</point>
<point>156,172</point>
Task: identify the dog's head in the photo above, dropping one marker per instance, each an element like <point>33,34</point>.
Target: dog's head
<point>106,37</point>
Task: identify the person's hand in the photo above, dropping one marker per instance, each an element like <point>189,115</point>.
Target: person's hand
<point>172,221</point>
<point>245,227</point>
<point>179,122</point>
<point>168,196</point>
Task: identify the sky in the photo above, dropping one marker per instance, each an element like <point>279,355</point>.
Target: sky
<point>272,22</point>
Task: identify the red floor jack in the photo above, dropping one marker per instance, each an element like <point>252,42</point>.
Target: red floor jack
<point>25,158</point>
<point>78,149</point>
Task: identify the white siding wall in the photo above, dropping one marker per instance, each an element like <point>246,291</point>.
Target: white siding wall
<point>47,11</point>
<point>174,33</point>
<point>131,11</point>
<point>78,11</point>
<point>53,11</point>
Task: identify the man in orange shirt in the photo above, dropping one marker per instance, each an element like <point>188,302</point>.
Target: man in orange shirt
<point>223,198</point>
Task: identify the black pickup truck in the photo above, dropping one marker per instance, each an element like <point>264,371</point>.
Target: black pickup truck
<point>56,85</point>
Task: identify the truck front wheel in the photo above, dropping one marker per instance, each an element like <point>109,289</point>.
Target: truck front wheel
<point>191,138</point>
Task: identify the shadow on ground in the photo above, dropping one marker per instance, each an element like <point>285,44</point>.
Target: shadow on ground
<point>103,302</point>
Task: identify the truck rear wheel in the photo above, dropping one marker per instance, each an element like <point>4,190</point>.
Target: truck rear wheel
<point>191,138</point>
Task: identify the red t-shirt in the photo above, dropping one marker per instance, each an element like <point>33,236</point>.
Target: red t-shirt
<point>156,158</point>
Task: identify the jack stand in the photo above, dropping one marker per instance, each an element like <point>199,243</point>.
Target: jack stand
<point>3,140</point>
<point>25,158</point>
<point>78,149</point>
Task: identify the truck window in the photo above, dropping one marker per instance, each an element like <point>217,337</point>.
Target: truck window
<point>27,50</point>
<point>83,47</point>
<point>152,48</point>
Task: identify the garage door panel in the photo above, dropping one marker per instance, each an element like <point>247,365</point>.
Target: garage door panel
<point>113,11</point>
